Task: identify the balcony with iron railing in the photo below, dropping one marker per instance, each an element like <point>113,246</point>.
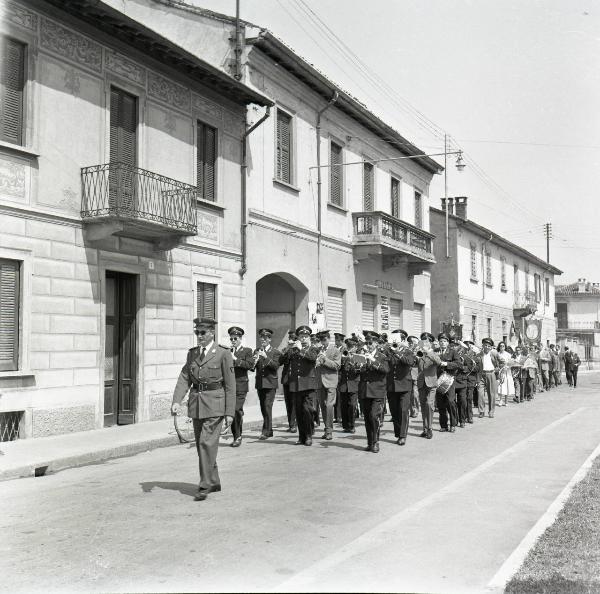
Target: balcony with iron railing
<point>119,199</point>
<point>566,324</point>
<point>523,299</point>
<point>378,233</point>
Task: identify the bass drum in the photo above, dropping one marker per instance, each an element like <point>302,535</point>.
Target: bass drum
<point>444,382</point>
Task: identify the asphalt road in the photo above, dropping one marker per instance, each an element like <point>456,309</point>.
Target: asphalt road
<point>437,515</point>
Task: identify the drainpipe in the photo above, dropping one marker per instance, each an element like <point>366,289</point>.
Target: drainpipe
<point>238,43</point>
<point>244,167</point>
<point>333,99</point>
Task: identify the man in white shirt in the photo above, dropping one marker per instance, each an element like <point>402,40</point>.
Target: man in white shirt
<point>489,366</point>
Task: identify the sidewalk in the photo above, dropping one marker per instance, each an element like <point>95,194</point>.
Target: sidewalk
<point>36,457</point>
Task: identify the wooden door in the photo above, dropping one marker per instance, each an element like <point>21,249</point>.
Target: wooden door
<point>120,353</point>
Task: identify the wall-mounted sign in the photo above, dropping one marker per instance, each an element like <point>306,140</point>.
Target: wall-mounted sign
<point>316,316</point>
<point>384,285</point>
<point>384,313</point>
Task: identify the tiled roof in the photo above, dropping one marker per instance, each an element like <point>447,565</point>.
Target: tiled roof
<point>573,289</point>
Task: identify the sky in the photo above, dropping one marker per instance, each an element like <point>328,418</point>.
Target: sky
<point>515,84</point>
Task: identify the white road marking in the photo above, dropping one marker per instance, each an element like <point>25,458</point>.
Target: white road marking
<point>373,536</point>
<point>512,564</point>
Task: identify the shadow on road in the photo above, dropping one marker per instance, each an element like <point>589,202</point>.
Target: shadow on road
<point>188,489</point>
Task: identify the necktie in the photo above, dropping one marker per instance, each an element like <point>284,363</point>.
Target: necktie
<point>202,353</point>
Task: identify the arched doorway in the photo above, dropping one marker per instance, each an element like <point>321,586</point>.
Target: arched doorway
<point>281,305</point>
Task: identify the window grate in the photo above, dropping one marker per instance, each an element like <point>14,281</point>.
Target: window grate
<point>10,424</point>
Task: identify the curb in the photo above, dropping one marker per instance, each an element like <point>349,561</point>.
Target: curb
<point>51,466</point>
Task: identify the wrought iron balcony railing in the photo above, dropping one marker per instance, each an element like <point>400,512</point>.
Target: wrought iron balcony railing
<point>523,299</point>
<point>567,324</point>
<point>392,234</point>
<point>116,191</point>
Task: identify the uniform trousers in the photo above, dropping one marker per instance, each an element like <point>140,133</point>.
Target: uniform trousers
<point>414,399</point>
<point>303,402</point>
<point>266,397</point>
<point>488,388</point>
<point>447,408</point>
<point>207,433</point>
<point>400,411</point>
<point>462,398</point>
<point>290,406</point>
<point>427,399</point>
<point>315,403</point>
<point>572,376</point>
<point>373,410</point>
<point>326,403</point>
<point>348,402</point>
<point>238,415</point>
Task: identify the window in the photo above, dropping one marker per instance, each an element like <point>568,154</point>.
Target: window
<point>504,332</point>
<point>473,262</point>
<point>123,149</point>
<point>335,309</point>
<point>547,292</point>
<point>562,315</point>
<point>284,147</point>
<point>418,210</point>
<point>336,175</point>
<point>395,198</point>
<point>10,272</point>
<point>474,328</point>
<point>12,87</point>
<point>537,287</point>
<point>368,311</point>
<point>206,159</point>
<point>368,187</point>
<point>206,300</point>
<point>503,273</point>
<point>515,279</point>
<point>488,268</point>
<point>489,327</point>
<point>418,318</point>
<point>395,314</point>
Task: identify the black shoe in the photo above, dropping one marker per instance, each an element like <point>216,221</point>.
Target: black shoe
<point>443,429</point>
<point>262,437</point>
<point>462,425</point>
<point>470,421</point>
<point>214,489</point>
<point>308,441</point>
<point>481,415</point>
<point>201,495</point>
<point>237,442</point>
<point>375,448</point>
<point>299,442</point>
<point>424,433</point>
<point>452,429</point>
<point>328,437</point>
<point>401,441</point>
<point>516,400</point>
<point>429,434</point>
<point>369,448</point>
<point>294,429</point>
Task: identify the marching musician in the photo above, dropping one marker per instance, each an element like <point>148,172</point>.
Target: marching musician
<point>466,378</point>
<point>242,362</point>
<point>427,381</point>
<point>266,361</point>
<point>399,383</point>
<point>446,396</point>
<point>303,382</point>
<point>413,341</point>
<point>327,366</point>
<point>348,386</point>
<point>288,397</point>
<point>337,407</point>
<point>372,388</point>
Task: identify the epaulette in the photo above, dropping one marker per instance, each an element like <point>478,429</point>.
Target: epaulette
<point>227,348</point>
<point>193,349</point>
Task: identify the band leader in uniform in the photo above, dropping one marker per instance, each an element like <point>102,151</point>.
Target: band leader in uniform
<point>267,361</point>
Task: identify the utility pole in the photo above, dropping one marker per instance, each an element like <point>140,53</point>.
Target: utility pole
<point>548,235</point>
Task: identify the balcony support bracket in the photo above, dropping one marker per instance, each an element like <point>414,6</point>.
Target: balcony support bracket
<point>99,231</point>
<point>393,260</point>
<point>164,244</point>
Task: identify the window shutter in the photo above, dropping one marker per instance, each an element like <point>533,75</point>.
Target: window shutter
<point>335,175</point>
<point>12,83</point>
<point>335,309</point>
<point>205,161</point>
<point>9,314</point>
<point>284,136</point>
<point>206,300</point>
<point>368,311</point>
<point>395,197</point>
<point>418,211</point>
<point>418,319</point>
<point>368,187</point>
<point>395,314</point>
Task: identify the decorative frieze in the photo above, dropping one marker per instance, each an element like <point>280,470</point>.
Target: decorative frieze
<point>18,15</point>
<point>124,67</point>
<point>168,92</point>
<point>70,45</point>
<point>12,180</point>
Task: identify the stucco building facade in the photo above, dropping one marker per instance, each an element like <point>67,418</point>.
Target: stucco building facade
<point>488,284</point>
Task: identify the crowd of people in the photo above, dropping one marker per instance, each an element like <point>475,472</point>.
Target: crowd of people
<point>328,377</point>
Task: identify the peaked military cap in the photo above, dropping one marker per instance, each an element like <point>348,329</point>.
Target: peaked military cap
<point>427,336</point>
<point>400,331</point>
<point>370,334</point>
<point>235,331</point>
<point>339,335</point>
<point>265,332</point>
<point>205,322</point>
<point>443,336</point>
<point>323,334</point>
<point>488,341</point>
<point>303,330</point>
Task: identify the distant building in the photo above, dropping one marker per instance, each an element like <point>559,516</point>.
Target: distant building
<point>488,284</point>
<point>578,318</point>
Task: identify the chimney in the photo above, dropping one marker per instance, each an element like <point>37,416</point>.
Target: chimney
<point>461,207</point>
<point>581,285</point>
<point>450,205</point>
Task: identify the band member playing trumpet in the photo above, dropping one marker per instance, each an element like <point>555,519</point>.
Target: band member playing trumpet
<point>399,383</point>
<point>348,385</point>
<point>372,388</point>
<point>303,382</point>
<point>427,381</point>
<point>327,366</point>
<point>288,397</point>
<point>266,361</point>
<point>450,364</point>
<point>466,380</point>
<point>242,362</point>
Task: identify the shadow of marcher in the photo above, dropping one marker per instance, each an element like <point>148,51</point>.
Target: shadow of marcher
<point>188,489</point>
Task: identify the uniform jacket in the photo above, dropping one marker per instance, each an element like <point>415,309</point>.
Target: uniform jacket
<point>215,368</point>
<point>303,375</point>
<point>241,364</point>
<point>572,360</point>
<point>327,372</point>
<point>266,370</point>
<point>428,364</point>
<point>373,377</point>
<point>466,375</point>
<point>349,376</point>
<point>399,378</point>
<point>285,370</point>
